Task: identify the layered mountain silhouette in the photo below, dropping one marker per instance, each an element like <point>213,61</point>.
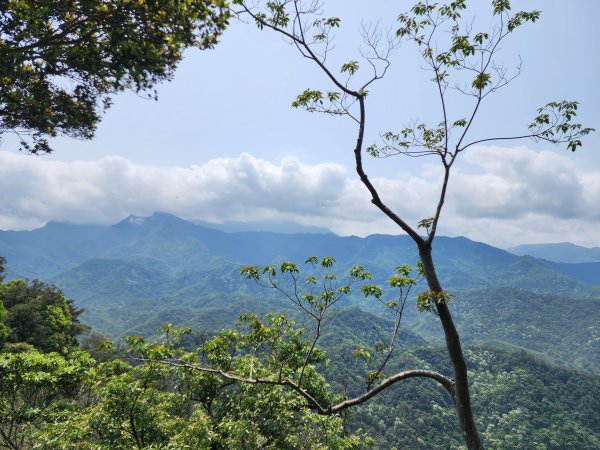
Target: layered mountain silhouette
<point>562,252</point>
<point>135,275</point>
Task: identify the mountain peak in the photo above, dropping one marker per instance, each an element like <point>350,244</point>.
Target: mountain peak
<point>166,217</point>
<point>155,218</point>
<point>135,220</point>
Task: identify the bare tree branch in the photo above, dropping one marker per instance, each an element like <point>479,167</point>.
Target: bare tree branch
<point>444,381</point>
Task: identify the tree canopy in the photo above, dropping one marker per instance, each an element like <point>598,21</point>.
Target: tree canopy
<point>37,314</point>
<point>60,61</point>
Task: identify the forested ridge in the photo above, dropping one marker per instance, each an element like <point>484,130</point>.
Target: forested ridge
<point>532,354</point>
<point>159,333</point>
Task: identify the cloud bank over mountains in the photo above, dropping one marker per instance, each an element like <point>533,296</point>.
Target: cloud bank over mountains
<point>502,196</point>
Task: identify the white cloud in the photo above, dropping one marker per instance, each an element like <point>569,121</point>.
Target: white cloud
<point>518,182</point>
<point>502,196</point>
<point>525,196</point>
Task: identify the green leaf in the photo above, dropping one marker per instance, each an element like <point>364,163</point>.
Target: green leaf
<point>250,272</point>
<point>401,281</point>
<point>270,269</point>
<point>288,267</point>
<point>481,81</point>
<point>328,261</point>
<point>351,67</point>
<point>426,223</point>
<point>427,300</point>
<point>333,22</point>
<point>362,353</point>
<point>345,289</point>
<point>371,290</point>
<point>358,272</point>
<point>312,260</point>
<point>310,99</point>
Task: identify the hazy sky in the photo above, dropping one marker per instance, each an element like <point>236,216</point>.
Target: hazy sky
<point>222,143</point>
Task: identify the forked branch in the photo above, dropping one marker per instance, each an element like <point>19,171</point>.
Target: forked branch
<point>312,403</point>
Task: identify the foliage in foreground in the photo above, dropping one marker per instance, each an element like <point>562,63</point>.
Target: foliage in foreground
<point>38,315</point>
<point>53,401</point>
<point>208,390</point>
<point>524,402</point>
<point>157,405</point>
<point>60,61</point>
<point>57,397</point>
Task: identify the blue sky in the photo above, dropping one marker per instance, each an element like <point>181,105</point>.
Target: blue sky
<point>222,143</point>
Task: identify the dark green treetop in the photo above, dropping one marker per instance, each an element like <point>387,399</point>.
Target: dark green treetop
<point>39,315</point>
<point>60,60</point>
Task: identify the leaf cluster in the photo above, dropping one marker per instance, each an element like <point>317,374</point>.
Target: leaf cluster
<point>554,124</point>
<point>427,300</point>
<point>61,60</point>
<point>464,59</point>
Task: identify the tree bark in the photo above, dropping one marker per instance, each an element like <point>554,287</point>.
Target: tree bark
<point>461,396</point>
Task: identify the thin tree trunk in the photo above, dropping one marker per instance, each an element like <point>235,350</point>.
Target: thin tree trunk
<point>461,397</point>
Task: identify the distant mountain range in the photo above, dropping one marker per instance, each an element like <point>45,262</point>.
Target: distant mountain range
<point>563,252</point>
<point>135,275</point>
<point>273,226</point>
<point>174,246</point>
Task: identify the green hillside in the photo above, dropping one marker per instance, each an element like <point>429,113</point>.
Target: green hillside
<point>529,326</point>
<point>133,276</point>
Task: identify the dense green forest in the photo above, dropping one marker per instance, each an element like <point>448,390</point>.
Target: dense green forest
<point>156,333</point>
<point>66,399</point>
<point>532,355</point>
